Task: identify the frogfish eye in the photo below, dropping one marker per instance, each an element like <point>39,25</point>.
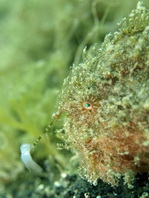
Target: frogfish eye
<point>87,106</point>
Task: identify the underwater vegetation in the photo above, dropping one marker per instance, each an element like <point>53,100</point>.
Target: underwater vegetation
<point>106,102</point>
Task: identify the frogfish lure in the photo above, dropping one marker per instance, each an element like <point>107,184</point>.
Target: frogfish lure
<point>28,160</point>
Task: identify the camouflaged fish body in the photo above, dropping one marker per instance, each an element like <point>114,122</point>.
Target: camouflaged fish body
<point>106,99</point>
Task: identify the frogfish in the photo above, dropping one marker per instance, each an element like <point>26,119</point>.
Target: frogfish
<point>106,102</point>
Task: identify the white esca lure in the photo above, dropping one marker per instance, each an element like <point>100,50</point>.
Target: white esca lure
<point>28,160</point>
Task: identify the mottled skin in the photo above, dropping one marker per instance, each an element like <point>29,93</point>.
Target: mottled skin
<point>106,100</point>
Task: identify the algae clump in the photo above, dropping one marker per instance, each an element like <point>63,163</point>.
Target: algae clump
<point>106,99</point>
